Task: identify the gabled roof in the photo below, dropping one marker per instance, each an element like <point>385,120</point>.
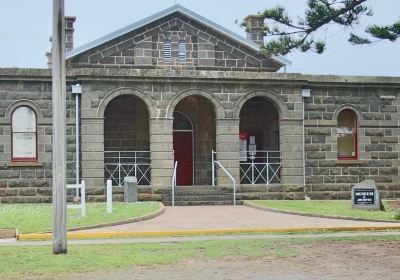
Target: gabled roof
<point>166,12</point>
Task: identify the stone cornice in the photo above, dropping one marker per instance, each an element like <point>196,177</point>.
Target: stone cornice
<point>171,75</point>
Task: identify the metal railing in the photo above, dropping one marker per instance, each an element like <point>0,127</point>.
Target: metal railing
<point>82,204</point>
<point>173,183</point>
<point>213,159</point>
<point>231,177</point>
<point>260,167</point>
<point>119,164</point>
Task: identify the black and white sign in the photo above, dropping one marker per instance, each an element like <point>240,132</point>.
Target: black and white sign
<point>364,196</point>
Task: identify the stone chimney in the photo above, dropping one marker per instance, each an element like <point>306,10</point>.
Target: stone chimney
<point>69,38</point>
<point>69,33</point>
<point>253,24</point>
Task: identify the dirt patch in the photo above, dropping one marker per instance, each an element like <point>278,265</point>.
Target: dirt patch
<point>315,260</point>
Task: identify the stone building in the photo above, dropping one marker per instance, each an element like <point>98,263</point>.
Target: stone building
<point>176,87</point>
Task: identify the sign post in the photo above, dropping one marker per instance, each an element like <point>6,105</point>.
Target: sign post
<point>59,130</point>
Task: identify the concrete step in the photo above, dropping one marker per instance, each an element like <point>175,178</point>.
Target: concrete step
<point>196,203</point>
<point>201,197</point>
<point>199,188</point>
<point>189,193</point>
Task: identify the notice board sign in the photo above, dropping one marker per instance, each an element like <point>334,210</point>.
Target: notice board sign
<point>364,196</point>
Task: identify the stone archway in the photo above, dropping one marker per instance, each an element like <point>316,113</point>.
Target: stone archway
<point>201,113</point>
<point>126,140</point>
<point>217,106</point>
<point>275,101</point>
<point>260,160</point>
<point>149,103</point>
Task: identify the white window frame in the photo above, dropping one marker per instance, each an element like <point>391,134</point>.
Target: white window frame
<point>24,128</point>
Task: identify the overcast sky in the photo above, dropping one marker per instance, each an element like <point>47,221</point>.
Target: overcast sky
<point>25,28</point>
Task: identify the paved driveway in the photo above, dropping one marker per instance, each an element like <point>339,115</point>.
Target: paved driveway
<point>229,217</point>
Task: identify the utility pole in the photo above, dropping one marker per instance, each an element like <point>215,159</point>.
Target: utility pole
<point>59,130</point>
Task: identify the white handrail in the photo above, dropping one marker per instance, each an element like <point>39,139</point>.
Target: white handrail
<point>233,181</point>
<point>213,158</point>
<point>173,183</point>
<point>82,205</point>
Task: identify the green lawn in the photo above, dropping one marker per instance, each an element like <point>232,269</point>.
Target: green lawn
<point>19,262</point>
<point>32,218</point>
<point>325,207</point>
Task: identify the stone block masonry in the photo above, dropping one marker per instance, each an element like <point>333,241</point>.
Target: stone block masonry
<point>226,91</point>
<point>377,139</point>
<point>30,181</point>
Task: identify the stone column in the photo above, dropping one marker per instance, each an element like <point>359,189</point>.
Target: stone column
<point>227,142</point>
<point>92,147</point>
<point>161,152</point>
<point>291,147</point>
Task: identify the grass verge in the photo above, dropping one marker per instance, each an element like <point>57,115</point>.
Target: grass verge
<point>334,208</point>
<point>30,218</point>
<point>20,262</point>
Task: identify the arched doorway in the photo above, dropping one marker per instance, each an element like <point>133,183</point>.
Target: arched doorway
<point>193,140</point>
<point>260,161</point>
<point>183,148</point>
<point>126,140</point>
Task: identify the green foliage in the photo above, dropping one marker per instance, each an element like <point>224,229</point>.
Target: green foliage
<point>284,34</point>
<point>388,32</point>
<point>320,47</point>
<point>278,14</point>
<point>396,216</point>
<point>28,218</point>
<point>357,40</point>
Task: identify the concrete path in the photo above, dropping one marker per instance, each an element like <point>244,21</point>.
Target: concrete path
<point>229,217</point>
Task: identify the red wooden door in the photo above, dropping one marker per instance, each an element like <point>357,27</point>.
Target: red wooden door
<point>183,147</point>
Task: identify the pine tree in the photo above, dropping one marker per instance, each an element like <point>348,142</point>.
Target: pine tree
<point>286,34</point>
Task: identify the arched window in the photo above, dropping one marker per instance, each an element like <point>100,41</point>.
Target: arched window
<point>182,122</point>
<point>347,135</point>
<point>24,134</point>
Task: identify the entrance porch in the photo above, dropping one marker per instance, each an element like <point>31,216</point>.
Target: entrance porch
<point>257,147</point>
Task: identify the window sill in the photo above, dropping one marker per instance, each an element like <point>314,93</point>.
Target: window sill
<point>350,162</point>
<point>24,164</point>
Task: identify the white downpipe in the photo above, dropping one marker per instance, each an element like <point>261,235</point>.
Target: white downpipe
<point>77,90</point>
<point>77,142</point>
<point>306,92</point>
<point>304,153</point>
